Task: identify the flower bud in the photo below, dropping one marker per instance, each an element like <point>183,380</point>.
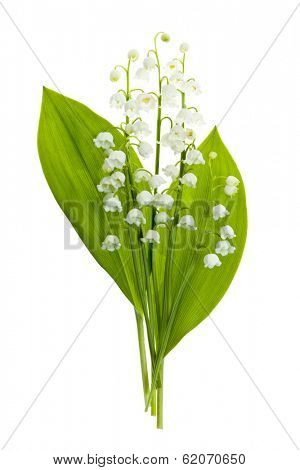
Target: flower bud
<point>165,37</point>
<point>133,55</point>
<point>114,75</point>
<point>184,47</point>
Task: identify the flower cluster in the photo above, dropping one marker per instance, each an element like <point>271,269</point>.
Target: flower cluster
<point>146,189</point>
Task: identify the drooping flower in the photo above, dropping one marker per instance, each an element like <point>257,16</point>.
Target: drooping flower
<point>141,128</point>
<point>219,212</point>
<point>189,180</point>
<point>211,260</point>
<point>172,66</point>
<point>119,178</point>
<point>212,155</point>
<point>172,171</point>
<point>163,201</point>
<point>230,190</point>
<point>117,100</point>
<point>194,157</point>
<point>146,102</point>
<point>177,79</point>
<point>104,140</point>
<point>112,203</point>
<point>232,181</point>
<point>191,87</point>
<point>149,63</point>
<point>116,159</point>
<point>174,139</point>
<point>110,184</point>
<point>169,95</point>
<point>162,218</point>
<point>227,232</point>
<point>133,55</point>
<point>144,198</point>
<point>142,74</point>
<point>152,236</point>
<point>141,175</point>
<point>145,149</point>
<point>190,135</point>
<point>131,108</point>
<point>135,217</point>
<point>224,248</point>
<point>178,132</point>
<point>111,243</point>
<point>107,166</point>
<point>114,75</point>
<point>184,47</point>
<point>189,117</point>
<point>156,181</point>
<point>187,222</point>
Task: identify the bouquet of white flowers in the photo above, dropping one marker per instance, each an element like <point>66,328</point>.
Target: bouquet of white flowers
<point>171,241</point>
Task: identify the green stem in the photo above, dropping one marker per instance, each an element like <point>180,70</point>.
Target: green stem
<point>153,405</point>
<point>143,357</point>
<point>160,391</point>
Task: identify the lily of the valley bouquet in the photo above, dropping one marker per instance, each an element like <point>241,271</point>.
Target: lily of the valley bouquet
<point>170,233</point>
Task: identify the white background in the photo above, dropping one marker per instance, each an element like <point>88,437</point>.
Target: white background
<point>94,403</point>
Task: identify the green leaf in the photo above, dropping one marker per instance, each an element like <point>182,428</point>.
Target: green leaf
<point>73,167</point>
<point>206,287</point>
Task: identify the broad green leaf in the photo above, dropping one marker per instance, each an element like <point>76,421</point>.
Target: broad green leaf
<point>72,166</point>
<point>206,287</point>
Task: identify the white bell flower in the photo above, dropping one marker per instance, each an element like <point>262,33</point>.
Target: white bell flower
<point>135,217</point>
<point>212,155</point>
<point>187,222</point>
<point>194,157</point>
<point>152,236</point>
<point>117,100</point>
<point>112,203</point>
<point>107,166</point>
<point>224,248</point>
<point>230,190</point>
<point>177,79</point>
<point>172,171</point>
<point>145,149</point>
<point>141,175</point>
<point>190,135</point>
<point>219,212</point>
<point>119,178</point>
<point>114,75</point>
<point>171,140</point>
<point>146,102</point>
<point>172,66</point>
<point>227,232</point>
<point>110,184</point>
<point>111,243</point>
<point>149,63</point>
<point>192,87</point>
<point>189,117</point>
<point>142,74</point>
<point>178,132</point>
<point>156,181</point>
<point>211,260</point>
<point>184,47</point>
<point>131,108</point>
<point>189,180</point>
<point>133,55</point>
<point>116,159</point>
<point>144,198</point>
<point>104,140</point>
<point>107,185</point>
<point>169,95</point>
<point>141,128</point>
<point>163,201</point>
<point>232,181</point>
<point>162,218</point>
